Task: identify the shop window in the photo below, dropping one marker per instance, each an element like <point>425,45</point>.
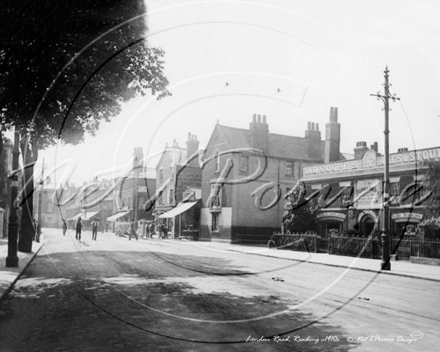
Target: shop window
<point>171,196</point>
<point>289,169</point>
<point>394,189</point>
<point>215,196</point>
<point>214,225</point>
<point>347,197</point>
<point>420,191</point>
<point>244,163</point>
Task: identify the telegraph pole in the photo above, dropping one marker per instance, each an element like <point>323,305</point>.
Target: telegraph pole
<point>385,263</point>
<point>12,258</point>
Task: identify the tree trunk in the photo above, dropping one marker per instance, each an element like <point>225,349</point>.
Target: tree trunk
<point>27,228</point>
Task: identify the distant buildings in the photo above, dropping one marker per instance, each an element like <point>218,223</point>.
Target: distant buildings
<point>178,180</point>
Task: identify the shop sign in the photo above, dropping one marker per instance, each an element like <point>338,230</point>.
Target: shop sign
<point>331,214</point>
<point>407,216</point>
<point>370,160</point>
<point>331,168</point>
<point>368,194</point>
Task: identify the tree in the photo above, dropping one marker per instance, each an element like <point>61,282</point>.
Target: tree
<point>66,66</point>
<point>431,184</point>
<point>298,216</point>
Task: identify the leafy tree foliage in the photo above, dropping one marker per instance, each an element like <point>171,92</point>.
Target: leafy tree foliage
<point>432,185</point>
<point>66,66</point>
<point>298,216</point>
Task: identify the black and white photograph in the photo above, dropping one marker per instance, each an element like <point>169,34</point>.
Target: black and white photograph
<point>219,175</point>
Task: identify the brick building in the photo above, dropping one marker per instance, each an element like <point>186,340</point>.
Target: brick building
<point>349,193</point>
<point>247,171</point>
<point>178,181</point>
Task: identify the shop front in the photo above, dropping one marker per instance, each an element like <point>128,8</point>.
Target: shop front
<point>405,222</point>
<point>182,221</point>
<point>330,223</point>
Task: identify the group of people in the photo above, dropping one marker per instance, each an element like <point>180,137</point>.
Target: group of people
<point>149,229</point>
<point>78,228</point>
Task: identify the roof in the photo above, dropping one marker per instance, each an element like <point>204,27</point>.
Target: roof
<point>283,146</point>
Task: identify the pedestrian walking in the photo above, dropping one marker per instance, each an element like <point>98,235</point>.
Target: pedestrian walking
<point>159,230</point>
<point>78,229</point>
<point>94,229</point>
<point>151,229</point>
<point>132,230</point>
<point>64,226</point>
<point>165,231</point>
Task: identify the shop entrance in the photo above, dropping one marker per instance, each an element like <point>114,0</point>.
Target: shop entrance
<point>367,226</point>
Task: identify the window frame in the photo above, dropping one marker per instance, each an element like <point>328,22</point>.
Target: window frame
<point>291,168</point>
<point>215,217</point>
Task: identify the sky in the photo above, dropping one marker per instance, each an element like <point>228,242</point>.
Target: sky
<point>287,59</point>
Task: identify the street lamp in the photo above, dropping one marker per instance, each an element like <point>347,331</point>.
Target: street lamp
<point>385,263</point>
<point>40,196</point>
<point>12,258</point>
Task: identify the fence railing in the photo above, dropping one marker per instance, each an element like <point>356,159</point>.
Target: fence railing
<point>364,247</point>
<point>407,247</point>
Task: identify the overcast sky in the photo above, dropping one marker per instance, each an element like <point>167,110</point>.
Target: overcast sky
<point>319,54</point>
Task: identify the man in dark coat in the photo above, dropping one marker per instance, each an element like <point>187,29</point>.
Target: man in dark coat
<point>132,230</point>
<point>94,229</point>
<point>78,229</point>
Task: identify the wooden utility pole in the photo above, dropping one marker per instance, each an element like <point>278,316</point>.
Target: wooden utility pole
<point>385,264</point>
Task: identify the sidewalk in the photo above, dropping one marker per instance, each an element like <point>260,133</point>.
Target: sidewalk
<point>8,276</point>
<point>400,268</point>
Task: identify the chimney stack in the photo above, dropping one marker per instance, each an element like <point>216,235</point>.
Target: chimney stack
<point>192,146</point>
<point>361,148</point>
<point>374,147</point>
<point>259,134</point>
<point>313,138</point>
<point>332,137</point>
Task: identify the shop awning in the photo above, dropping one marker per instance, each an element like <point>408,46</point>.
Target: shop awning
<point>86,216</point>
<point>116,216</point>
<point>179,209</point>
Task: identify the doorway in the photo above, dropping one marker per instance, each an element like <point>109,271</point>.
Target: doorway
<point>367,226</point>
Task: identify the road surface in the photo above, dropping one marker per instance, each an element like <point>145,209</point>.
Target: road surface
<point>167,295</point>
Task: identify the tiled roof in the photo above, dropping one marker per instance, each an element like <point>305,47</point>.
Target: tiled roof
<point>279,145</point>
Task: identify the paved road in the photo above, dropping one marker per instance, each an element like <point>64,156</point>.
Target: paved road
<point>120,295</point>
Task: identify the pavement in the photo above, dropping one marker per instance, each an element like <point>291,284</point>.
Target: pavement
<point>8,276</point>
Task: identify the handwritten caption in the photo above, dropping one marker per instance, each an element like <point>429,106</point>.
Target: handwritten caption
<point>296,338</point>
<point>413,337</point>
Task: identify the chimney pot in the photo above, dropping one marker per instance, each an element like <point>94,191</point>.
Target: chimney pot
<point>259,118</point>
<point>317,126</point>
<point>264,118</point>
<point>254,118</point>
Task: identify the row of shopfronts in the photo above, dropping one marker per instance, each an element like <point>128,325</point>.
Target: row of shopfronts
<point>348,195</point>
